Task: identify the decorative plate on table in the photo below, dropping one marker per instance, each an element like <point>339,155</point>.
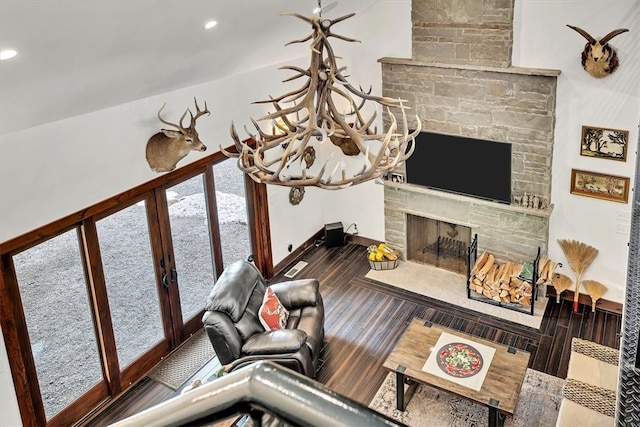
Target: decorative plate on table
<point>459,360</point>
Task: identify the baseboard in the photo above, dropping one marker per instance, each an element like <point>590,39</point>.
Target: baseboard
<point>318,236</point>
<point>297,253</point>
<point>601,304</point>
<point>360,240</point>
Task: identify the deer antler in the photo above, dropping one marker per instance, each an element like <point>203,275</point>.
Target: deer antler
<point>199,113</point>
<point>315,116</point>
<point>179,126</point>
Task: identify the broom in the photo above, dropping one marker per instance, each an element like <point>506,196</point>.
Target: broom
<point>595,290</point>
<point>561,283</point>
<point>580,256</point>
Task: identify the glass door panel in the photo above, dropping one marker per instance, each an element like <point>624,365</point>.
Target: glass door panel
<point>232,211</point>
<point>128,264</point>
<point>191,244</point>
<point>57,311</point>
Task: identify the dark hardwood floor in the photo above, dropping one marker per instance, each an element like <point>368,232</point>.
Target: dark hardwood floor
<point>364,320</point>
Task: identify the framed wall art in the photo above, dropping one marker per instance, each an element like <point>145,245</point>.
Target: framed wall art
<point>600,186</point>
<point>604,143</point>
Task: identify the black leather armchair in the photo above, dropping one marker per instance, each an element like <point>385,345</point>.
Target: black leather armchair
<point>239,339</point>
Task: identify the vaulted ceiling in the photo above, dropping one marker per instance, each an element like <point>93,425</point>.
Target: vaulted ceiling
<point>78,56</point>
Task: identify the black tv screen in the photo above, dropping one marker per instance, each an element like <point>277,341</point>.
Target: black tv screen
<point>461,165</point>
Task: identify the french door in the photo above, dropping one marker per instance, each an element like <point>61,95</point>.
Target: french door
<point>191,259</point>
<point>160,257</point>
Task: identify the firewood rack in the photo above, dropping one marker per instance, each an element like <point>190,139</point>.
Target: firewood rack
<point>472,256</point>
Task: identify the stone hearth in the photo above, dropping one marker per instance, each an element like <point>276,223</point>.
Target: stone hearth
<point>459,81</point>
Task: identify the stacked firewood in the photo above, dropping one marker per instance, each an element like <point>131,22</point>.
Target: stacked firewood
<point>546,270</point>
<point>500,282</point>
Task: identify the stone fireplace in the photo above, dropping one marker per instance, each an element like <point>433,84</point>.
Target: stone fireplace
<point>460,82</point>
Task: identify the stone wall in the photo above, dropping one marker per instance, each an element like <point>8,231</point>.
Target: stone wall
<point>478,32</point>
<point>513,105</point>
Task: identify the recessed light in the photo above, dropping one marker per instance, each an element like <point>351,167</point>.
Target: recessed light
<point>209,25</point>
<point>7,54</point>
<point>317,10</point>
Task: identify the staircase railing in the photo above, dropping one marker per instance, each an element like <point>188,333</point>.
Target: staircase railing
<point>263,387</point>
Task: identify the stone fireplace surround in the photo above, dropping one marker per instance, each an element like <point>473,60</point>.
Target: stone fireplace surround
<point>460,81</point>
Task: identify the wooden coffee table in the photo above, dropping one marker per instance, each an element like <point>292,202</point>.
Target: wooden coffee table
<point>501,386</point>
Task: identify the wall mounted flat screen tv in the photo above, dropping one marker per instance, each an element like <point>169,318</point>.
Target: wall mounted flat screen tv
<point>468,166</point>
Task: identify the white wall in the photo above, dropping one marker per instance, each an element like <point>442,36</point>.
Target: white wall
<point>541,39</point>
<point>55,169</point>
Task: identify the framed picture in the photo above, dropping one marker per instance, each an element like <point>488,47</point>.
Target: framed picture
<point>600,186</point>
<point>396,177</point>
<point>604,143</point>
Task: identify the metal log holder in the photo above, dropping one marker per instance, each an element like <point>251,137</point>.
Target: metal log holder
<point>472,256</point>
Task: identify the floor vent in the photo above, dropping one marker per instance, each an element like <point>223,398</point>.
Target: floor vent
<point>295,269</point>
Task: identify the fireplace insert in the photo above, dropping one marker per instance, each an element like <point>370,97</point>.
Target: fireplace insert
<point>438,243</point>
<point>468,166</point>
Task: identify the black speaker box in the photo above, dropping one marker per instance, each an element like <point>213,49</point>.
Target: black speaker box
<point>334,234</point>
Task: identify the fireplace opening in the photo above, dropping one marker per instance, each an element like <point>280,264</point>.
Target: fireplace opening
<point>438,243</point>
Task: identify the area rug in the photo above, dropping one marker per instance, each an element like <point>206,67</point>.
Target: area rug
<point>450,287</point>
<point>184,362</point>
<point>537,406</point>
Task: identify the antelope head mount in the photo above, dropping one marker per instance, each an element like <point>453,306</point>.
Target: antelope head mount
<point>598,58</point>
<point>167,147</point>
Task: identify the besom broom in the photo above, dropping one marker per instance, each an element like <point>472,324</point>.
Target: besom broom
<point>595,290</point>
<point>561,282</point>
<point>580,256</point>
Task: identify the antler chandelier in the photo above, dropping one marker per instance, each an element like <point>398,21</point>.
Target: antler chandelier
<point>309,116</point>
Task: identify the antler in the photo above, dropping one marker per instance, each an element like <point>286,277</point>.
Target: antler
<point>179,126</point>
<point>199,113</point>
<point>317,119</point>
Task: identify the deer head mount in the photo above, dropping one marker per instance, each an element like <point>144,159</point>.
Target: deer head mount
<point>598,58</point>
<point>167,147</point>
<point>325,108</point>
